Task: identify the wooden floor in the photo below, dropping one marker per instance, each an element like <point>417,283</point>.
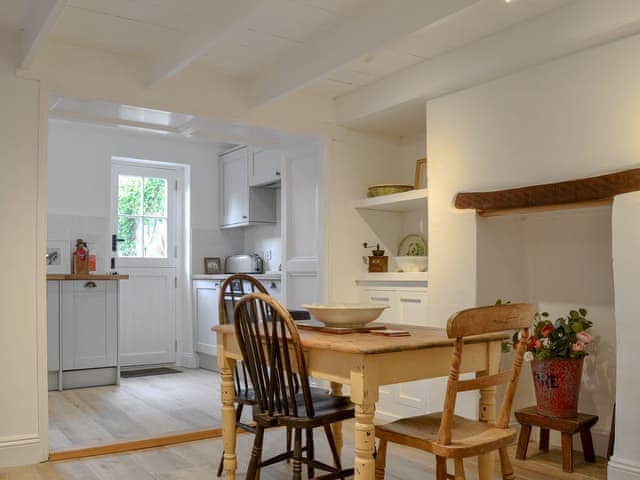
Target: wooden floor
<point>198,461</point>
<point>140,407</point>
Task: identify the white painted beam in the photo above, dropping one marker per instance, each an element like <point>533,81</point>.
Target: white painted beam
<point>41,20</point>
<point>200,39</point>
<point>574,27</point>
<point>379,23</point>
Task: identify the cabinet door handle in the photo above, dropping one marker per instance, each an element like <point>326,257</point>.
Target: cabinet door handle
<point>380,299</point>
<point>244,216</point>
<point>411,300</point>
<point>273,285</point>
<point>277,174</point>
<point>90,285</point>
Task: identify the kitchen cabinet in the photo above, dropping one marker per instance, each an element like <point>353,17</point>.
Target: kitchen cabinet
<point>82,330</point>
<point>243,205</point>
<point>89,324</point>
<point>206,294</point>
<point>265,168</point>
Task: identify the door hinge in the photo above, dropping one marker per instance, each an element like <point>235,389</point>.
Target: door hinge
<point>175,345</point>
<point>176,185</point>
<point>175,282</point>
<point>175,252</point>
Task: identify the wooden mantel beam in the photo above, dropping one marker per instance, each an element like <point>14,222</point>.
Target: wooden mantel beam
<point>552,196</point>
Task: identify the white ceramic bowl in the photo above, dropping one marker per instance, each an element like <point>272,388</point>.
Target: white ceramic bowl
<point>345,315</point>
<point>411,264</point>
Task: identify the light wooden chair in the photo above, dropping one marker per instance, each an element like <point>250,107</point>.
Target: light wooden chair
<point>450,436</point>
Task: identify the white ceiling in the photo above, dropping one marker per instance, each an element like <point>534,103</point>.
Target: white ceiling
<point>263,39</point>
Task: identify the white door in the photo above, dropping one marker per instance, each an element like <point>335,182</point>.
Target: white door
<point>145,218</point>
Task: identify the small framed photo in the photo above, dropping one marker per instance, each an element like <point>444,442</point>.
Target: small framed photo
<point>58,256</point>
<point>212,265</point>
<point>421,173</point>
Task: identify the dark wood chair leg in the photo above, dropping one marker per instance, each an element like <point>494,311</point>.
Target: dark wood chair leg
<point>288,445</point>
<point>256,455</point>
<point>505,465</point>
<point>441,468</point>
<point>381,459</point>
<point>310,453</point>
<point>334,450</point>
<point>587,446</point>
<point>567,453</point>
<point>523,442</point>
<point>544,440</point>
<point>297,454</point>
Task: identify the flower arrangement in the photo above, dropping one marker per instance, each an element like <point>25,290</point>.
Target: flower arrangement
<point>567,337</point>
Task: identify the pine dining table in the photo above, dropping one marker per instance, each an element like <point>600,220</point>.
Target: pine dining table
<point>365,362</point>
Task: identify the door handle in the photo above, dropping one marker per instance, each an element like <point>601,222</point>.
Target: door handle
<point>90,285</point>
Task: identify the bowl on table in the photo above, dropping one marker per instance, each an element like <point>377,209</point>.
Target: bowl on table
<point>411,263</point>
<point>345,315</point>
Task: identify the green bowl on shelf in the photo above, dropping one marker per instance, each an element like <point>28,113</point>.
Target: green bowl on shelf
<point>387,189</point>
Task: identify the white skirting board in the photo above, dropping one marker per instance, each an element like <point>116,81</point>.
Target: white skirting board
<point>21,450</point>
<point>622,469</point>
<point>188,360</point>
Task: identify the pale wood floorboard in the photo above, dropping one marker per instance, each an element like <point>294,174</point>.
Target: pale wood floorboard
<point>139,408</point>
<point>198,461</point>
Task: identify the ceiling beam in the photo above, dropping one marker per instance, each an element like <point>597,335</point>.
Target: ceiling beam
<point>377,24</point>
<point>199,39</point>
<point>39,23</point>
<point>563,31</point>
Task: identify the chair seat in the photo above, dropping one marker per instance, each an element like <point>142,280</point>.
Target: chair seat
<point>248,396</point>
<point>468,437</point>
<point>326,407</point>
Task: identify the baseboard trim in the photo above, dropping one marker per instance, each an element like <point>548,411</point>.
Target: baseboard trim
<point>20,450</point>
<point>130,446</point>
<point>189,360</point>
<point>622,469</point>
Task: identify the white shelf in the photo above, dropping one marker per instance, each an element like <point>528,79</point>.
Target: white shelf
<point>394,277</point>
<point>397,202</point>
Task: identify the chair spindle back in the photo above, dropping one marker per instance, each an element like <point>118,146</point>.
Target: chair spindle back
<point>232,290</point>
<point>477,321</point>
<point>272,352</point>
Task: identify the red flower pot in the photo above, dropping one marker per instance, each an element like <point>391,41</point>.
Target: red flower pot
<point>557,382</point>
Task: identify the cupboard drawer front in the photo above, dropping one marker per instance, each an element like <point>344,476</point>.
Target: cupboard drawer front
<point>90,286</point>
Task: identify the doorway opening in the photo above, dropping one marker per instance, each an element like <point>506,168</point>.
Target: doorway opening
<point>147,202</point>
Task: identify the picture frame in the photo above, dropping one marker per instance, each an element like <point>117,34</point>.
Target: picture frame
<point>212,265</point>
<point>58,257</point>
<point>421,173</point>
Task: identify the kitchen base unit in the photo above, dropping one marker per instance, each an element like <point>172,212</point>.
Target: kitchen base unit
<point>82,330</point>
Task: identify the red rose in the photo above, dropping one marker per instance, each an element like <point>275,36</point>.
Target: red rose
<point>546,330</point>
<point>531,343</point>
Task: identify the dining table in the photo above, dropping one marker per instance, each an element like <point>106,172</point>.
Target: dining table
<point>365,362</point>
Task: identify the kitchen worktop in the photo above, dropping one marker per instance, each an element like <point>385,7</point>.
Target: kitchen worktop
<point>84,276</point>
<point>222,276</point>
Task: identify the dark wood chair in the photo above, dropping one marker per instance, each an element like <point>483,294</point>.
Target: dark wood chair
<point>447,435</point>
<point>270,344</point>
<point>231,291</point>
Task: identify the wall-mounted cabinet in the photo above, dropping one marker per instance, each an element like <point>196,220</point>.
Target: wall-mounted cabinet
<point>265,168</point>
<point>243,204</point>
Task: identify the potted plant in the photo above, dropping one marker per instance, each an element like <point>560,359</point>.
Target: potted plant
<point>556,351</point>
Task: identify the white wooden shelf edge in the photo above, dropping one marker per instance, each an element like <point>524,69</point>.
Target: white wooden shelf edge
<point>394,277</point>
<point>397,202</point>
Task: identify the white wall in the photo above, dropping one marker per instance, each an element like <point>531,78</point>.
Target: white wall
<point>574,117</point>
<point>625,464</point>
<point>23,416</point>
<point>79,185</point>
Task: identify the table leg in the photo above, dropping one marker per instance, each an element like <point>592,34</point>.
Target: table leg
<point>364,394</point>
<point>336,389</point>
<point>228,418</point>
<point>486,462</point>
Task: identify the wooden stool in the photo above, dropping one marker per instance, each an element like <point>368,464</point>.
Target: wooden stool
<point>529,417</point>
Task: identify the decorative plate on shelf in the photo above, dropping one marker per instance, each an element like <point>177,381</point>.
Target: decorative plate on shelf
<point>411,246</point>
